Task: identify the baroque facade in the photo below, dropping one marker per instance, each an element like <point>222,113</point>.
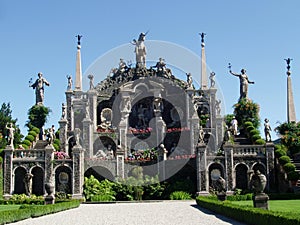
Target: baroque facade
<point>138,116</point>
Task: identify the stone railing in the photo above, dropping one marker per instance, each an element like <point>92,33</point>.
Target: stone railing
<point>29,155</point>
<point>251,150</point>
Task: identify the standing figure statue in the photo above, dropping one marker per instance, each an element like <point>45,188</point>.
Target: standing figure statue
<point>11,133</point>
<point>140,50</point>
<point>91,78</point>
<point>244,81</point>
<point>267,130</point>
<point>234,126</point>
<point>38,85</point>
<point>69,77</point>
<point>26,180</point>
<point>212,79</point>
<point>189,80</point>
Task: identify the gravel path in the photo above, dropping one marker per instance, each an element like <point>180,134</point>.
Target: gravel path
<point>154,213</point>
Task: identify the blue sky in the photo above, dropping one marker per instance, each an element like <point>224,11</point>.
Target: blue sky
<point>39,36</point>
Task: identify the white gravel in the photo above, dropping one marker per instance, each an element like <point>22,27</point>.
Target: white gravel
<point>144,213</point>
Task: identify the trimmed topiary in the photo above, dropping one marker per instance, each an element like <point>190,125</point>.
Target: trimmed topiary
<point>255,137</point>
<point>289,167</point>
<point>36,130</point>
<point>26,142</point>
<point>254,132</point>
<point>284,159</point>
<point>248,124</point>
<point>279,153</point>
<point>250,128</point>
<point>260,141</point>
<point>30,138</point>
<point>33,133</point>
<point>293,175</point>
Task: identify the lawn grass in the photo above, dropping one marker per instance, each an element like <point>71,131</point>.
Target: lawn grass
<point>8,207</point>
<point>276,205</point>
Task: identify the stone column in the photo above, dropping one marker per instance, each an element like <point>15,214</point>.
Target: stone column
<point>63,129</point>
<point>270,170</point>
<point>69,94</point>
<point>120,163</point>
<point>78,171</point>
<point>219,130</point>
<point>229,173</point>
<point>49,157</point>
<point>92,96</point>
<point>7,172</point>
<point>87,135</point>
<point>201,161</point>
<point>194,130</point>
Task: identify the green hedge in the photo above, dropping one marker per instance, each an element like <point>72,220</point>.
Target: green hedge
<point>27,211</point>
<point>249,215</point>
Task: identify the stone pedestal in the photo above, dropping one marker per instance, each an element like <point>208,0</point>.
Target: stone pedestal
<point>63,128</point>
<point>78,171</point>
<point>7,172</point>
<point>261,201</point>
<point>49,157</point>
<point>202,184</point>
<point>120,172</point>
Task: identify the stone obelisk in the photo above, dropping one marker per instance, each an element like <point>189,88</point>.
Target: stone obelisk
<point>78,74</point>
<point>291,113</point>
<point>204,80</point>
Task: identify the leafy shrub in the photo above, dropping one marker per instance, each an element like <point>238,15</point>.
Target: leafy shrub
<point>260,141</point>
<point>250,128</point>
<point>254,132</point>
<point>36,130</point>
<point>279,153</point>
<point>92,187</point>
<point>180,195</point>
<point>255,137</point>
<point>33,133</point>
<point>24,199</point>
<point>293,175</point>
<point>240,197</point>
<point>26,142</point>
<point>288,167</point>
<point>248,214</point>
<point>248,124</point>
<point>30,138</point>
<point>102,198</point>
<point>284,159</point>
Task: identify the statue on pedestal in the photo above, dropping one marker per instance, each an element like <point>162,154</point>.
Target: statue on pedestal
<point>140,50</point>
<point>38,85</point>
<point>267,130</point>
<point>26,180</point>
<point>69,77</point>
<point>11,133</point>
<point>244,82</point>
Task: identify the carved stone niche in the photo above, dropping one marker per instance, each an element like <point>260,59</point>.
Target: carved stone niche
<point>106,118</point>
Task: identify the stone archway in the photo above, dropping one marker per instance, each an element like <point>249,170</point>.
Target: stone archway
<point>19,186</point>
<point>63,180</point>
<point>241,176</point>
<point>215,171</point>
<point>259,166</point>
<point>100,173</point>
<point>37,181</point>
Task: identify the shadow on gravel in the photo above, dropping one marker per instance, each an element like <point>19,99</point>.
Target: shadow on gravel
<point>221,217</point>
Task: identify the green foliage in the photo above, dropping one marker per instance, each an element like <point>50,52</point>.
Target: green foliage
<point>284,159</point>
<point>26,143</point>
<point>290,136</point>
<point>260,141</point>
<point>248,124</point>
<point>6,118</point>
<point>255,137</point>
<point>228,118</point>
<point>250,128</point>
<point>247,111</point>
<point>289,167</point>
<point>185,185</point>
<point>180,195</point>
<point>32,133</point>
<point>247,214</point>
<point>279,151</point>
<point>37,116</point>
<point>103,198</point>
<point>93,189</point>
<point>30,138</point>
<point>35,129</point>
<point>240,197</point>
<point>293,175</point>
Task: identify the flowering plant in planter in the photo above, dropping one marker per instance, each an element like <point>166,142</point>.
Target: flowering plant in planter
<point>61,155</point>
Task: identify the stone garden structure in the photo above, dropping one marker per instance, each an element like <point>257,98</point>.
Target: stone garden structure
<point>138,116</point>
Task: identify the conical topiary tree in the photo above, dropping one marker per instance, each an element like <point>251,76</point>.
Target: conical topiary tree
<point>246,110</point>
<point>37,116</point>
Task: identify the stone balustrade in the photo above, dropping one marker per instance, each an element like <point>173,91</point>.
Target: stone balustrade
<point>29,155</point>
<point>252,150</point>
